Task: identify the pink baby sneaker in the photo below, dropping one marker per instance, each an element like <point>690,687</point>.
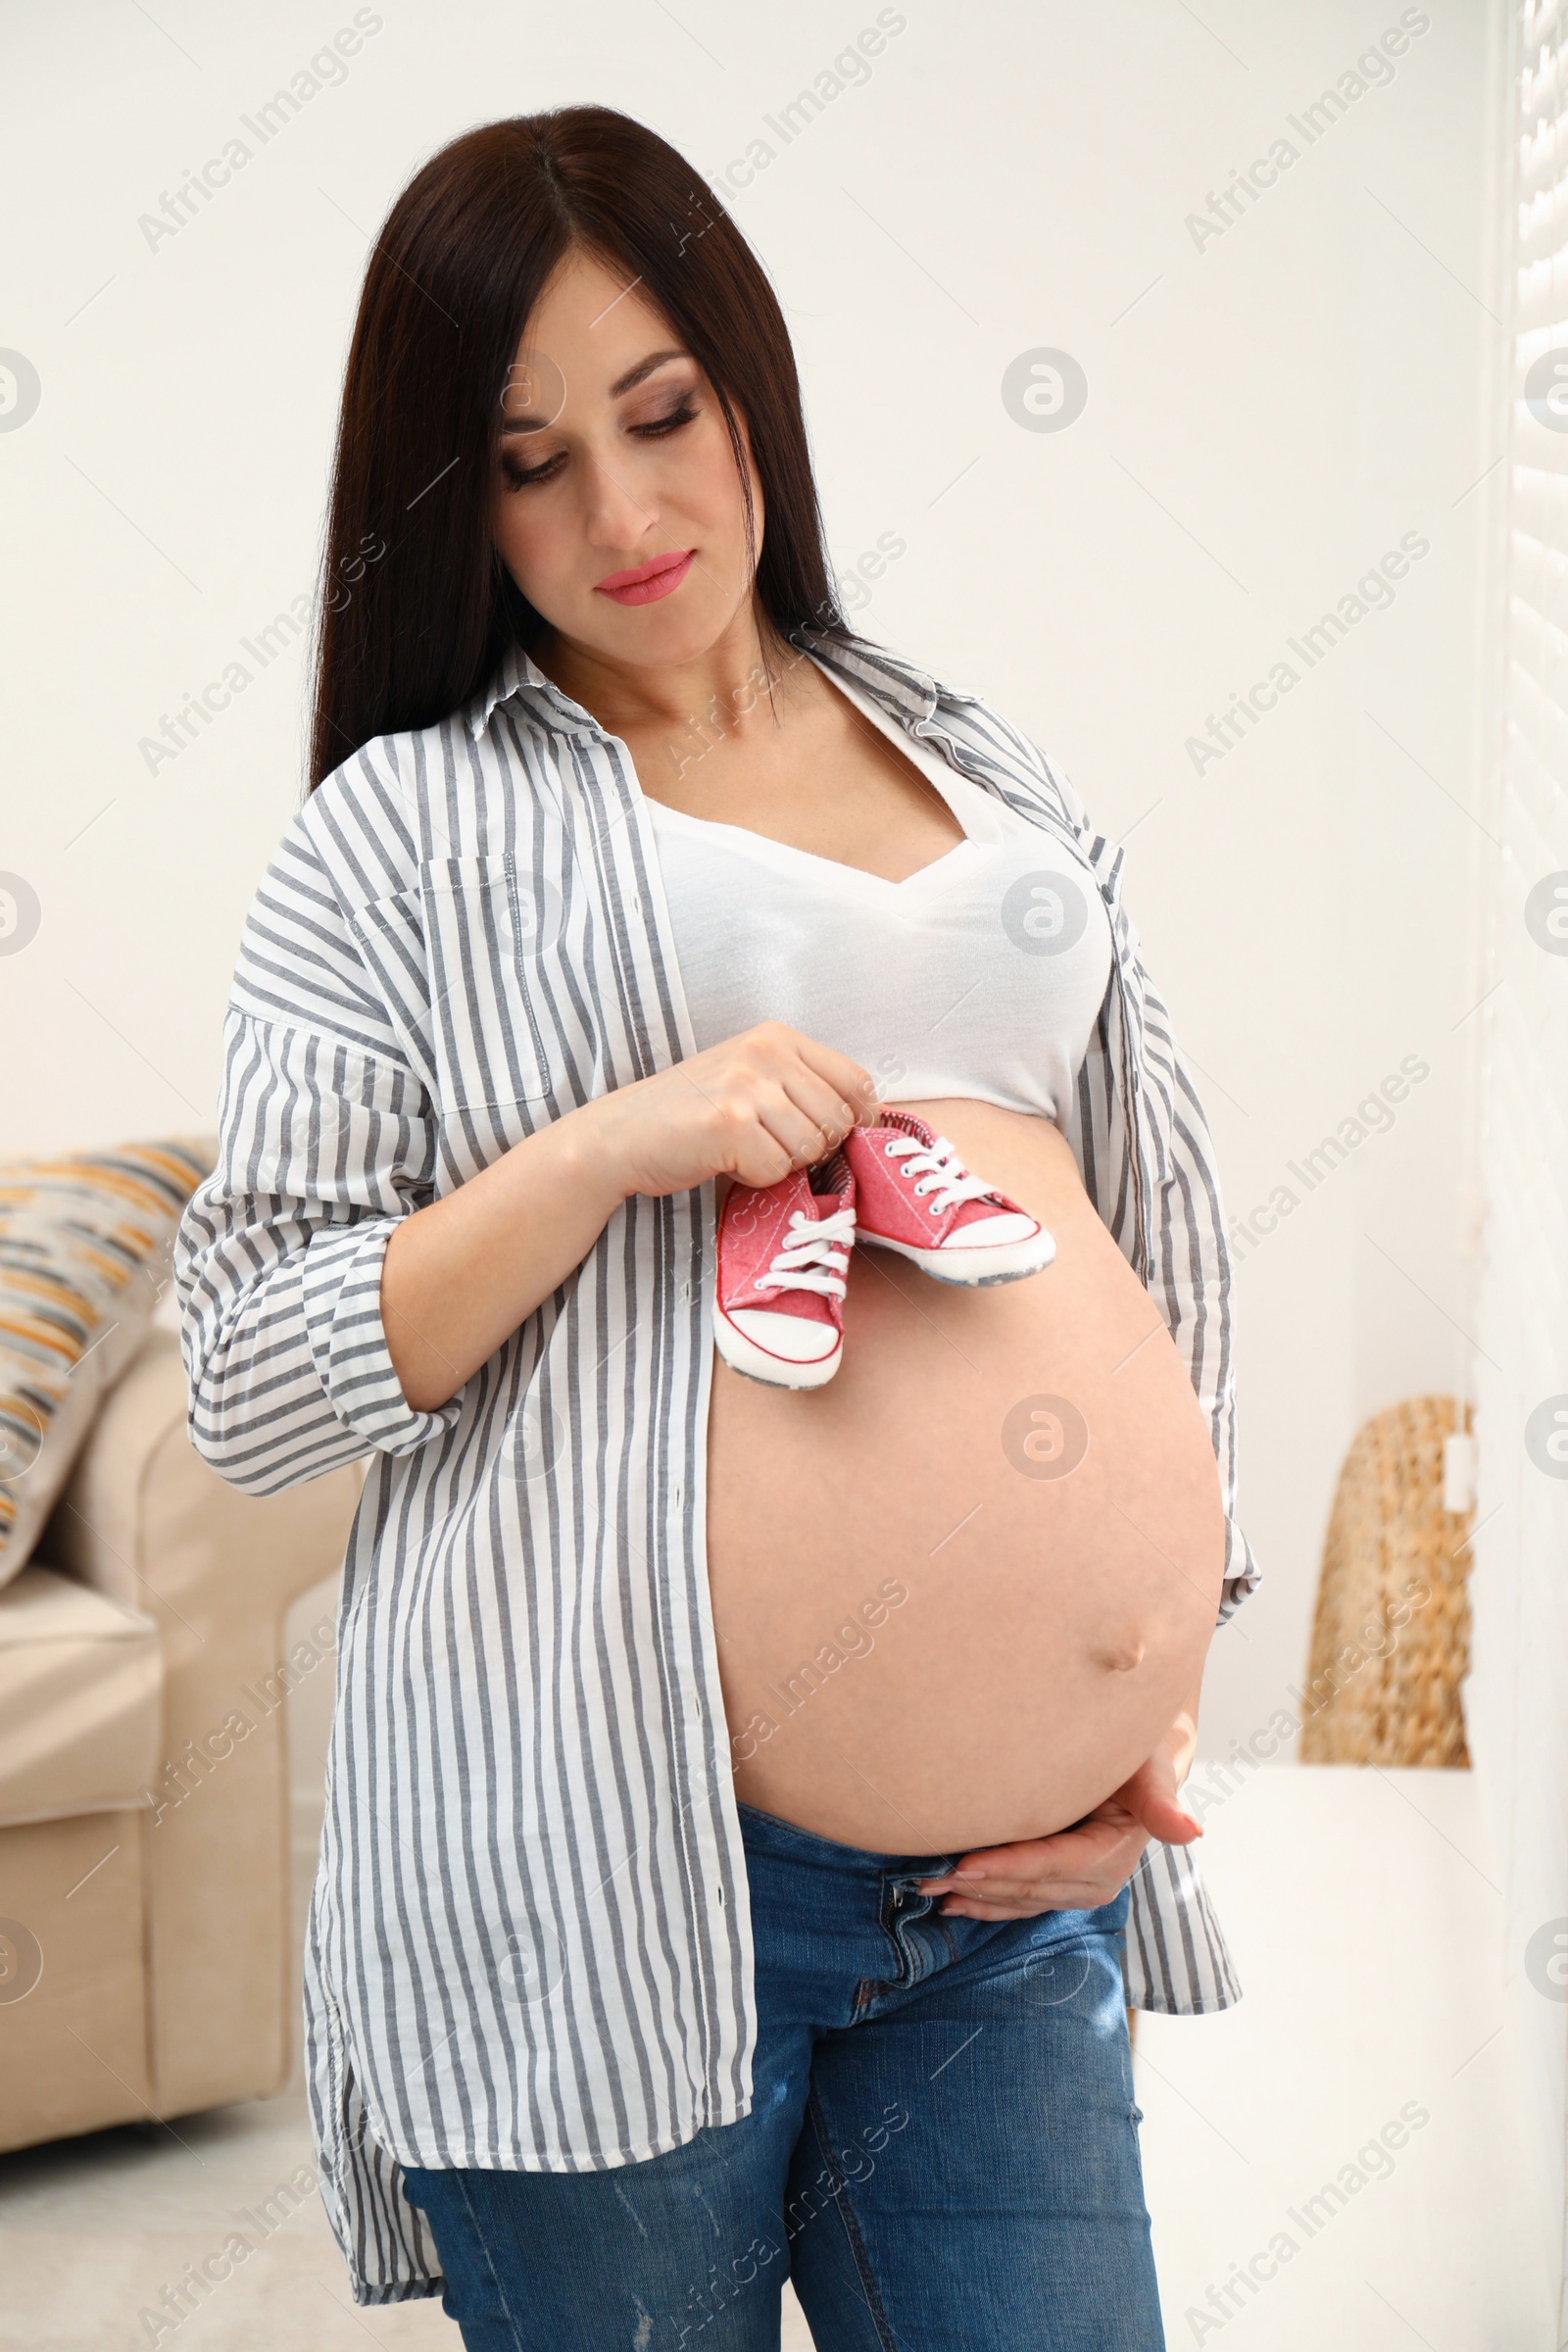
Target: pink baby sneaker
<point>912,1193</point>
<point>778,1302</point>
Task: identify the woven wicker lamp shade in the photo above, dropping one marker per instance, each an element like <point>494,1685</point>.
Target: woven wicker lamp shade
<point>1390,1644</point>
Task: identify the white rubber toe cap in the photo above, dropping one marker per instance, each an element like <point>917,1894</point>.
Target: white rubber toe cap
<point>791,1338</point>
<point>993,1233</point>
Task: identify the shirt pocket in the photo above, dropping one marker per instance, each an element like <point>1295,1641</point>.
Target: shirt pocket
<point>484,925</point>
<point>455,957</point>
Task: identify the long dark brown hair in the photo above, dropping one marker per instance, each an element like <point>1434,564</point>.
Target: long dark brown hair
<point>416,606</point>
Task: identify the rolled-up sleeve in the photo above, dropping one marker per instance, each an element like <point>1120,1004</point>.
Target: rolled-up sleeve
<point>327,1141</point>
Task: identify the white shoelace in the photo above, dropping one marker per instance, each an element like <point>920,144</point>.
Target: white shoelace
<point>940,1166</point>
<point>815,1254</point>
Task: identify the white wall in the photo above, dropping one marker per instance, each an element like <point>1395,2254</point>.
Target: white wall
<point>1266,417</point>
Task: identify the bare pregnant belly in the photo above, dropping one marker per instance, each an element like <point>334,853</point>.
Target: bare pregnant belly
<point>960,1591</point>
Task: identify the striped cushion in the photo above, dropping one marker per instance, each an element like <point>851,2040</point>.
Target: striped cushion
<point>85,1256</point>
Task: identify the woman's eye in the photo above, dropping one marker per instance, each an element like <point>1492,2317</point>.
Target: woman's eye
<point>517,475</point>
<point>518,478</point>
<point>682,414</point>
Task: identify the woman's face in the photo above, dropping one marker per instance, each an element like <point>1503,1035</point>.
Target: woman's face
<point>615,456</point>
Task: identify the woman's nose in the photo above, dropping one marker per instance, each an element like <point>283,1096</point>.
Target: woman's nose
<point>616,516</point>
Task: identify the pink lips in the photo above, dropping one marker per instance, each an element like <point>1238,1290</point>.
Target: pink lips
<point>650,580</point>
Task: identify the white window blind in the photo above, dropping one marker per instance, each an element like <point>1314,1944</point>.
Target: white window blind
<point>1517,1697</point>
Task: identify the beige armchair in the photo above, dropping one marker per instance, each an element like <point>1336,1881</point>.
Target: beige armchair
<point>145,1920</point>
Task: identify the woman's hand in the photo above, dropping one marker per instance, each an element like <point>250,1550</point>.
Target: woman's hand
<point>463,1273</point>
<point>753,1109</point>
<point>1086,1865</point>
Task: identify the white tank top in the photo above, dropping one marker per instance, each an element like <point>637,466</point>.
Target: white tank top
<point>980,976</point>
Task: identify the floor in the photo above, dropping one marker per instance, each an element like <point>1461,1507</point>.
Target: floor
<point>1361,1916</point>
<point>1366,1925</point>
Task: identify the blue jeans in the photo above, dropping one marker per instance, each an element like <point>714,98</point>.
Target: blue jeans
<point>942,2150</point>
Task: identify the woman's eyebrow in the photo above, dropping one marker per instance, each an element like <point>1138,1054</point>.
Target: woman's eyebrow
<point>624,383</point>
<point>634,375</point>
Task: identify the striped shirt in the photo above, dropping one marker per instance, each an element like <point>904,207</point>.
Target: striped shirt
<point>530,1945</point>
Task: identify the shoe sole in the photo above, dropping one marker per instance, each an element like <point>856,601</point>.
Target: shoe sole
<point>744,1355</point>
<point>1007,1264</point>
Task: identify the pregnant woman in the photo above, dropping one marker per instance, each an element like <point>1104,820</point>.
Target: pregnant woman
<point>748,1807</point>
